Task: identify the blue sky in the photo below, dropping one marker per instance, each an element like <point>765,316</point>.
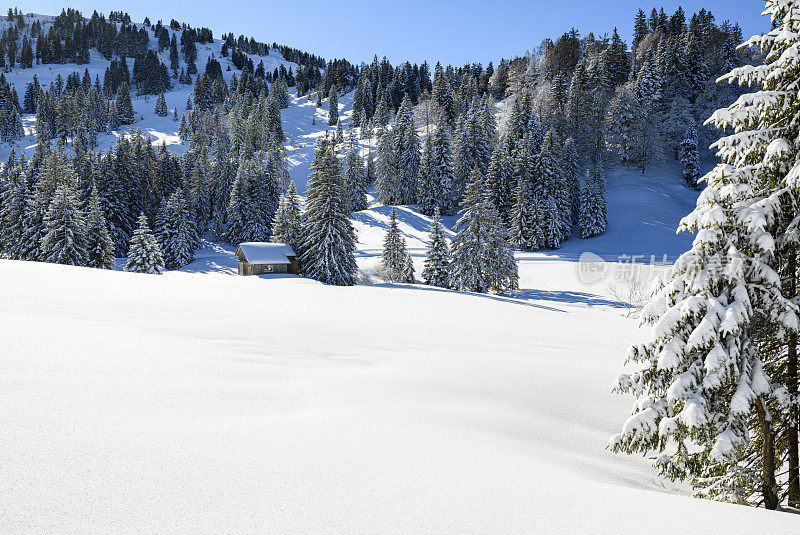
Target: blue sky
<point>451,31</point>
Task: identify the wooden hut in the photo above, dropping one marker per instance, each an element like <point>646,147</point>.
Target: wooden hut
<point>260,258</point>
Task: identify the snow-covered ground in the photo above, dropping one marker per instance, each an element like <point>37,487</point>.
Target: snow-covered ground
<point>202,402</point>
<point>205,402</point>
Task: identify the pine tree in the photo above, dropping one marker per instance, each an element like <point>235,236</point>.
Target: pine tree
<point>482,261</point>
<point>333,107</point>
<point>355,178</point>
<point>437,259</point>
<point>690,159</point>
<point>441,170</point>
<point>161,105</point>
<point>99,245</point>
<point>288,224</point>
<point>592,218</point>
<point>124,106</point>
<point>525,233</point>
<point>144,255</point>
<point>329,237</point>
<point>64,239</point>
<point>175,231</point>
<point>499,180</point>
<point>719,373</point>
<point>395,264</point>
<point>13,204</point>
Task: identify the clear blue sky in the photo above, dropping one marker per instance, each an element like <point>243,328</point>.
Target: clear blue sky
<point>447,30</point>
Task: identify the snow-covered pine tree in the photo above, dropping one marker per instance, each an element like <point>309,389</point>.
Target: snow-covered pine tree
<point>333,107</point>
<point>99,245</point>
<point>427,189</point>
<point>690,159</point>
<point>387,164</point>
<point>175,231</point>
<point>442,173</point>
<point>144,255</point>
<point>12,211</point>
<point>64,239</point>
<point>572,180</point>
<point>749,211</point>
<point>499,180</point>
<point>550,191</point>
<point>161,105</point>
<point>124,105</point>
<point>355,177</point>
<point>329,237</point>
<point>526,232</point>
<point>482,261</point>
<point>437,259</point>
<point>288,224</point>
<point>592,218</point>
<point>395,264</point>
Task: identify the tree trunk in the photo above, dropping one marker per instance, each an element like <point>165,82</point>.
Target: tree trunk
<point>791,384</point>
<point>769,489</point>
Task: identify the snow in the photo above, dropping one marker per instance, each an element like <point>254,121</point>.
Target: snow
<point>267,253</point>
<point>200,401</point>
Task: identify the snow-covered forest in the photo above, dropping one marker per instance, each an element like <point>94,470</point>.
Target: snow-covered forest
<point>478,245</point>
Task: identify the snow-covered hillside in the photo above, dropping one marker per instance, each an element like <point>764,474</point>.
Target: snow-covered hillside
<point>160,129</point>
<point>204,402</point>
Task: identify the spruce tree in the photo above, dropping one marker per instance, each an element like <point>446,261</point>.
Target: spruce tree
<point>13,203</point>
<point>690,159</point>
<point>499,180</point>
<point>161,105</point>
<point>442,174</point>
<point>99,245</point>
<point>329,237</point>
<point>64,239</point>
<point>333,107</point>
<point>592,218</point>
<point>144,255</point>
<point>288,224</point>
<point>124,106</point>
<point>437,259</point>
<point>355,178</point>
<point>395,264</point>
<point>482,261</point>
<point>175,231</point>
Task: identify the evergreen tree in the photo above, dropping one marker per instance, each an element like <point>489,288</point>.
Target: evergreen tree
<point>592,218</point>
<point>176,233</point>
<point>355,178</point>
<point>288,224</point>
<point>13,204</point>
<point>395,264</point>
<point>144,255</point>
<point>64,239</point>
<point>333,107</point>
<point>442,174</point>
<point>437,259</point>
<point>124,106</point>
<point>329,237</point>
<point>482,261</point>
<point>499,180</point>
<point>690,159</point>
<point>161,105</point>
<point>99,245</point>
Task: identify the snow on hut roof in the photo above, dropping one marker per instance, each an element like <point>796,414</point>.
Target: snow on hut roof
<point>265,253</point>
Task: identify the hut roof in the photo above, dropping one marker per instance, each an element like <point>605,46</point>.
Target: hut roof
<point>265,252</point>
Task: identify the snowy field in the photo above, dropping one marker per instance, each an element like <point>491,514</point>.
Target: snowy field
<point>204,402</point>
